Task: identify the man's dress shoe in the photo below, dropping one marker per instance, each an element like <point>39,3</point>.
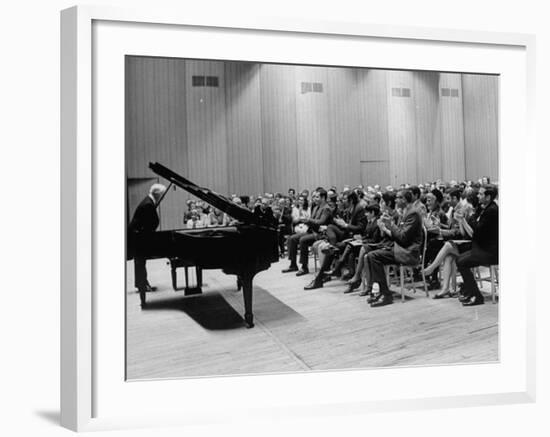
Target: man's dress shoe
<point>385,299</point>
<point>476,300</point>
<point>314,285</point>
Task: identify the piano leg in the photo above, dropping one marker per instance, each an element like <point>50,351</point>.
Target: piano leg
<point>247,295</point>
<point>142,298</point>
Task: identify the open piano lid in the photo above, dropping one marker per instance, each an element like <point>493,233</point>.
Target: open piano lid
<point>216,200</point>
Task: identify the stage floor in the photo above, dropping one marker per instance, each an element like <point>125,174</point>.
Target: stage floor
<point>295,330</point>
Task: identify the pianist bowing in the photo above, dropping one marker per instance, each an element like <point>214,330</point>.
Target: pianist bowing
<point>144,222</point>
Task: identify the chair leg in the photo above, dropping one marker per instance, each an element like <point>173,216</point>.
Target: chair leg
<point>493,284</point>
<point>453,278</point>
<point>424,282</point>
<point>477,275</point>
<point>402,278</point>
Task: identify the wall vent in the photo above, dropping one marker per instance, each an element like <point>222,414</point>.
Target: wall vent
<point>212,81</point>
<point>401,92</point>
<point>449,92</point>
<point>198,81</point>
<point>311,87</point>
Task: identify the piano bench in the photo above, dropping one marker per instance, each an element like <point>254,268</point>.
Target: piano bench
<point>176,263</point>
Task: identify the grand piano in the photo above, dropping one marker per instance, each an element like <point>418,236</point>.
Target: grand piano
<point>245,249</point>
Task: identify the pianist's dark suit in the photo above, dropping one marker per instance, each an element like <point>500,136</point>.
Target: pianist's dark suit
<point>144,222</point>
<point>484,248</point>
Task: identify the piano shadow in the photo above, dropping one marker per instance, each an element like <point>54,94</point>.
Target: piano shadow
<point>267,308</point>
<point>210,310</point>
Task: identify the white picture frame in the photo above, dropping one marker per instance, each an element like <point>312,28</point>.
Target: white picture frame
<point>84,386</point>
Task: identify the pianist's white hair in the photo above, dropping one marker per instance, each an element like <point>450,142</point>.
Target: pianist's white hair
<point>156,190</point>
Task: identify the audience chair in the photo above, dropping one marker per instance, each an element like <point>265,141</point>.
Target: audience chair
<point>492,278</point>
<point>403,269</point>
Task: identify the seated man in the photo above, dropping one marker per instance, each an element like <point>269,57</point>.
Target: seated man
<point>407,239</point>
<point>352,222</point>
<point>320,216</point>
<point>484,244</point>
<point>360,235</point>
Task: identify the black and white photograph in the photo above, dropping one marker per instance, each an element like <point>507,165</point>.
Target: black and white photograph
<point>286,218</point>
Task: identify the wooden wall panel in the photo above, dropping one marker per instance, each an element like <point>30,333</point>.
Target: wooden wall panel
<point>156,126</point>
<point>481,125</point>
<point>373,110</point>
<point>244,128</point>
<point>312,129</point>
<point>428,126</point>
<point>155,114</point>
<point>278,110</point>
<point>344,122</point>
<point>375,172</point>
<point>452,128</point>
<point>206,126</point>
<point>401,129</point>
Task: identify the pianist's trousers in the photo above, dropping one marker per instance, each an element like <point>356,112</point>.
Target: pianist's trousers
<point>301,241</point>
<point>140,273</point>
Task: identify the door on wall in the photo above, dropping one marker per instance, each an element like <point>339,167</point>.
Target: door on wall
<point>375,172</point>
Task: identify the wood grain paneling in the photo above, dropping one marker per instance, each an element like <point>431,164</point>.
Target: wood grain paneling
<point>258,131</point>
<point>278,109</point>
<point>312,129</point>
<point>155,114</point>
<point>481,125</point>
<point>452,128</point>
<point>344,102</point>
<point>428,126</point>
<point>244,128</point>
<point>373,110</point>
<point>401,129</point>
<point>375,172</point>
<point>206,126</point>
<point>156,126</point>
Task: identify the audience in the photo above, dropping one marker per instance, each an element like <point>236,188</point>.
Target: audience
<point>353,241</point>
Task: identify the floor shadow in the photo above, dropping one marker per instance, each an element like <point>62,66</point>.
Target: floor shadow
<point>53,417</point>
<point>268,308</point>
<point>210,310</point>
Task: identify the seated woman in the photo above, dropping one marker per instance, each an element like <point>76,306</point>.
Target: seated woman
<point>300,212</point>
<point>387,206</point>
<point>433,222</point>
<point>353,246</point>
<point>458,241</point>
<point>283,215</point>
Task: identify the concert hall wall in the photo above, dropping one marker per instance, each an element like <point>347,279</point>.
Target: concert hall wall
<point>268,127</point>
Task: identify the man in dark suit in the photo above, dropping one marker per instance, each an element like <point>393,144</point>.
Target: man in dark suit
<point>407,241</point>
<point>144,222</point>
<point>484,244</point>
<point>320,216</point>
<point>338,231</point>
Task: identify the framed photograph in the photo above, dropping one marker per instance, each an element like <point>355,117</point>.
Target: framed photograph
<point>193,271</point>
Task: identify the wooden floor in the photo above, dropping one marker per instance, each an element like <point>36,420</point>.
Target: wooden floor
<point>295,330</point>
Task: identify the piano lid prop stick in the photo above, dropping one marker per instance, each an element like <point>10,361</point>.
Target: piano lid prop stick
<point>164,194</point>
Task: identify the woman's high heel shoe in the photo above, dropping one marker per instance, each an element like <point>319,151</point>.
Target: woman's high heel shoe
<point>441,295</point>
